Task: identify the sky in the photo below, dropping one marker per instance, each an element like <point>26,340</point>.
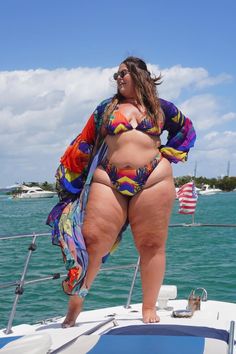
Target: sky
<point>57,59</point>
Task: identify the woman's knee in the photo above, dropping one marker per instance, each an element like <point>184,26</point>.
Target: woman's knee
<point>91,234</point>
<point>150,248</point>
<point>89,238</point>
<point>98,241</point>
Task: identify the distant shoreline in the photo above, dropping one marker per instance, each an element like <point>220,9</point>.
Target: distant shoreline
<point>226,183</point>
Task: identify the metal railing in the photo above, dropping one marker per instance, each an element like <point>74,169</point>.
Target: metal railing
<point>19,285</point>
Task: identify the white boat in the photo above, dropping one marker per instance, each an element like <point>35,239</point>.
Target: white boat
<point>207,190</point>
<point>176,192</point>
<point>25,192</point>
<point>194,325</point>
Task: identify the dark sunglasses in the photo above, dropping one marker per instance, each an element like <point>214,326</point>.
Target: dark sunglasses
<point>121,73</point>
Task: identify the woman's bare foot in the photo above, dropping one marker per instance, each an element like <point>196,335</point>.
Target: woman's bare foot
<point>74,308</point>
<point>150,315</point>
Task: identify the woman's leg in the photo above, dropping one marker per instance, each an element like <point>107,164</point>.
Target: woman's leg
<point>106,213</point>
<point>149,213</point>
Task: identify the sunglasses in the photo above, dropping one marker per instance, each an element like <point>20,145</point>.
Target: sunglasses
<point>121,73</point>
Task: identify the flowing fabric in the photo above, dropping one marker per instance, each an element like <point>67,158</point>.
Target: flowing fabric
<point>73,180</point>
<point>66,220</point>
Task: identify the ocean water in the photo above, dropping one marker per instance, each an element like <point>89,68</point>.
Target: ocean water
<point>196,257</point>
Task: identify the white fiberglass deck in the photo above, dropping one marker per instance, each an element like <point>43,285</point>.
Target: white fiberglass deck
<point>213,314</point>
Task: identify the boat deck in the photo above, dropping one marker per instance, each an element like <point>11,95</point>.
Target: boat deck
<point>99,329</point>
<point>213,314</point>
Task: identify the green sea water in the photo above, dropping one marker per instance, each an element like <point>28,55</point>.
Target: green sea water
<point>196,257</point>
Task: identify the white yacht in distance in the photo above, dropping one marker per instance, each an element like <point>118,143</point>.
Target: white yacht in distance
<point>25,192</point>
<point>207,190</point>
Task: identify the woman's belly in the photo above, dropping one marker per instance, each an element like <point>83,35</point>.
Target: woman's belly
<point>128,153</point>
<point>132,149</point>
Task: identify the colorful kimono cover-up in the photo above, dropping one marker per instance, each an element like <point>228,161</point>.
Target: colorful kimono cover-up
<point>74,176</point>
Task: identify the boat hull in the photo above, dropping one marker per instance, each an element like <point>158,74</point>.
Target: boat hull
<point>35,196</point>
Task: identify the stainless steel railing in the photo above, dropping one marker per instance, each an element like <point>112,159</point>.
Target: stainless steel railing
<point>19,284</point>
<point>19,288</point>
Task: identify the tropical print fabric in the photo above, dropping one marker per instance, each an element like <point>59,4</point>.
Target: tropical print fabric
<point>181,133</point>
<point>73,170</point>
<point>129,182</point>
<point>118,123</point>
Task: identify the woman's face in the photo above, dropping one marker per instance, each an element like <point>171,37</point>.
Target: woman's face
<point>125,84</point>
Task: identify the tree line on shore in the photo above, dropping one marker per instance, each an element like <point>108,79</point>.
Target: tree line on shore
<point>226,184</point>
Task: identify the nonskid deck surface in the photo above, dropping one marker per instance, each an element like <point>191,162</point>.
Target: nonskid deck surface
<point>212,314</point>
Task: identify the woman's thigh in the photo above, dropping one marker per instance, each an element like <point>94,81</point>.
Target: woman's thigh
<point>105,214</point>
<point>149,213</point>
<point>160,173</point>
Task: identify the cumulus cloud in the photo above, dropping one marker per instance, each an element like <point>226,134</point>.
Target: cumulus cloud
<point>213,151</point>
<point>207,111</point>
<point>231,116</point>
<point>178,78</point>
<point>225,139</point>
<point>41,111</point>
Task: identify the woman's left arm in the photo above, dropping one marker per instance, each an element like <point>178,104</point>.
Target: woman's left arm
<point>181,133</point>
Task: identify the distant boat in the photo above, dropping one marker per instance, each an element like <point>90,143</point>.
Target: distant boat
<point>177,189</point>
<point>207,190</point>
<point>176,192</point>
<point>25,192</point>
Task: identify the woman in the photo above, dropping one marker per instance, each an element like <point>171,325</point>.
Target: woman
<point>131,181</point>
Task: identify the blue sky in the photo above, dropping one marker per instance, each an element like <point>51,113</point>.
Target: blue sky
<point>57,60</point>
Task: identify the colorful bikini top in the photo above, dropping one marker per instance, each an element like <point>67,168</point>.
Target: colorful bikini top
<point>118,123</point>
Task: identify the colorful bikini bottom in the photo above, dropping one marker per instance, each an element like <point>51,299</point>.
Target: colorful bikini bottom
<point>130,181</point>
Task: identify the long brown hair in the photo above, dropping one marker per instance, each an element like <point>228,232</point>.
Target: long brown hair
<point>145,89</point>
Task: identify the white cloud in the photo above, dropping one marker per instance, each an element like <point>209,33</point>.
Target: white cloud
<point>177,78</point>
<point>229,117</point>
<point>206,111</point>
<point>41,111</point>
<point>225,140</point>
<point>211,135</point>
<point>213,81</point>
<point>212,153</point>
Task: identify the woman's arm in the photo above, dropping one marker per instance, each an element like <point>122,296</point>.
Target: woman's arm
<point>181,133</point>
<point>72,172</point>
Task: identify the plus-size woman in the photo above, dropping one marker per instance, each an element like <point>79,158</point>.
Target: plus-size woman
<point>131,181</point>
